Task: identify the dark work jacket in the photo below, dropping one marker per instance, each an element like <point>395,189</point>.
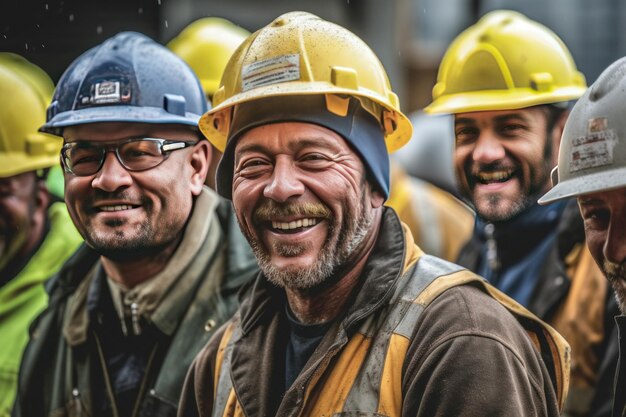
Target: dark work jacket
<point>572,295</point>
<point>62,372</point>
<point>452,351</point>
<point>619,404</point>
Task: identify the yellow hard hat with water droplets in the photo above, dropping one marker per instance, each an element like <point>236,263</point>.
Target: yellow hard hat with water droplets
<point>505,61</point>
<point>302,54</point>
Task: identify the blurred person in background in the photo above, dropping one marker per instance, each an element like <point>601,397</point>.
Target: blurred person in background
<point>424,190</point>
<point>206,46</point>
<point>592,168</point>
<point>508,81</point>
<point>164,258</point>
<point>36,232</point>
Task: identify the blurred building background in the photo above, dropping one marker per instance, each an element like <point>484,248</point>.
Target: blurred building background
<point>409,36</point>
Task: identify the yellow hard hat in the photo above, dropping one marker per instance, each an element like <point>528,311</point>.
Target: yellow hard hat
<point>22,147</point>
<point>30,72</point>
<point>301,54</point>
<point>206,45</point>
<point>505,61</point>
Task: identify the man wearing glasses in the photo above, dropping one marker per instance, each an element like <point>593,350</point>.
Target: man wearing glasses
<point>163,260</point>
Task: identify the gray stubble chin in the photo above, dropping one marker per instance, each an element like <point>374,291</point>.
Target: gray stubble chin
<point>616,275</point>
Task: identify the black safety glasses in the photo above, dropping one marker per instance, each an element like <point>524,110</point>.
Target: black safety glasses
<point>138,154</point>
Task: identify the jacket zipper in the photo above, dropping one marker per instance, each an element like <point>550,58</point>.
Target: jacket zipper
<point>109,386</point>
<point>492,248</point>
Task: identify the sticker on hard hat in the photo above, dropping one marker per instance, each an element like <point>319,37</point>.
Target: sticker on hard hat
<point>270,71</point>
<point>595,149</point>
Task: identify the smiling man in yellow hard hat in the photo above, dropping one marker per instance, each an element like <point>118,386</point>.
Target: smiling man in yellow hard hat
<point>508,81</point>
<point>348,316</point>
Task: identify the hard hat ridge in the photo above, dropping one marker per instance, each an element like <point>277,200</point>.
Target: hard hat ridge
<point>127,78</point>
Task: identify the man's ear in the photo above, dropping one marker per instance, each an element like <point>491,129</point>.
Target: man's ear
<point>199,160</point>
<point>42,196</point>
<point>557,130</point>
<point>377,199</point>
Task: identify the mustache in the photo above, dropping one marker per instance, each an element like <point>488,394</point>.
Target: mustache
<point>115,195</point>
<point>270,209</point>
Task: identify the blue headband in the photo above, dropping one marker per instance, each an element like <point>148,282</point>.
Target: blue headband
<point>359,128</point>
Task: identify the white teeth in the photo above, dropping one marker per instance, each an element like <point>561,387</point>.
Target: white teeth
<point>294,224</point>
<point>116,208</point>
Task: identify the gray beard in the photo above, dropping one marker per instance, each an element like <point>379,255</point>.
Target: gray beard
<point>330,259</point>
<point>616,275</point>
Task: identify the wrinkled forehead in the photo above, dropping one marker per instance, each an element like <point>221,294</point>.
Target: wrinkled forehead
<point>291,138</point>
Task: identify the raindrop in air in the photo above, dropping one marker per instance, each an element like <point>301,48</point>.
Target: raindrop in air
<point>43,46</point>
<point>140,11</point>
<point>99,30</point>
<point>26,46</point>
<point>166,23</point>
<point>46,6</point>
<point>71,18</point>
<point>159,2</point>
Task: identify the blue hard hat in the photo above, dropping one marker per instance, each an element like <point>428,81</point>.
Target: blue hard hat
<point>127,78</point>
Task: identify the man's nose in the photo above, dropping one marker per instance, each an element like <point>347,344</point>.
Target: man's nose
<point>615,244</point>
<point>112,174</point>
<point>488,148</point>
<point>284,183</point>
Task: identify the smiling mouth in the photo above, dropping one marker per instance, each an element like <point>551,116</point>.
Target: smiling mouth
<point>294,226</point>
<point>494,176</point>
<point>118,207</point>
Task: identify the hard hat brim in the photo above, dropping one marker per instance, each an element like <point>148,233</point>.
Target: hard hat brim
<point>587,184</point>
<point>394,141</point>
<point>500,100</point>
<point>14,163</point>
<point>102,114</point>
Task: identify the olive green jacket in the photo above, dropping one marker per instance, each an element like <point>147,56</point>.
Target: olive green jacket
<point>62,366</point>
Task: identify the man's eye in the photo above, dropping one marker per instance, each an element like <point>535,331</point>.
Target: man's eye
<point>465,134</point>
<point>512,128</point>
<point>597,219</point>
<point>253,166</point>
<point>86,159</point>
